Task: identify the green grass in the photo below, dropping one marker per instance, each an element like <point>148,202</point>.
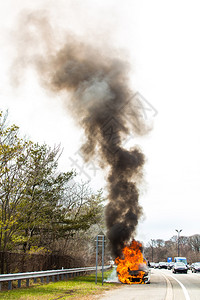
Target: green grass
<point>83,287</point>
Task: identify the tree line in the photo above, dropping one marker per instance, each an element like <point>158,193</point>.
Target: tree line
<point>159,249</point>
<point>41,208</point>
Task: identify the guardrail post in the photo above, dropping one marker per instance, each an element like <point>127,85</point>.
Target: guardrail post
<point>45,275</point>
<point>19,283</point>
<point>27,282</point>
<point>10,285</point>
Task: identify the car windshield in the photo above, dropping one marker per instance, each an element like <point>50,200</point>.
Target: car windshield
<point>197,264</point>
<point>183,260</point>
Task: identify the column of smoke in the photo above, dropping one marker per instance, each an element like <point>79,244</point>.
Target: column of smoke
<point>100,101</point>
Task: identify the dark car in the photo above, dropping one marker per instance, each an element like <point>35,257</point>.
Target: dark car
<point>162,265</point>
<point>191,266</point>
<point>152,264</point>
<point>195,267</point>
<point>170,265</point>
<point>156,265</point>
<point>179,267</point>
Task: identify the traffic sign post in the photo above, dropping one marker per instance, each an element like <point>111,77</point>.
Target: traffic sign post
<point>169,259</point>
<point>97,248</point>
<point>100,243</point>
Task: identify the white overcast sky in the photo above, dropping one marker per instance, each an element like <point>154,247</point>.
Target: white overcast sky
<point>161,39</point>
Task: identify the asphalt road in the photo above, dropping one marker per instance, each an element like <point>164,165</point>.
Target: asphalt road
<point>164,286</point>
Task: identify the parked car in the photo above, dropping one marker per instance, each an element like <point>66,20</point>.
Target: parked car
<point>179,267</point>
<point>195,267</point>
<point>162,265</point>
<point>170,265</point>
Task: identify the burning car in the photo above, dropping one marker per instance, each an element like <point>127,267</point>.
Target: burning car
<point>132,267</point>
<point>142,275</point>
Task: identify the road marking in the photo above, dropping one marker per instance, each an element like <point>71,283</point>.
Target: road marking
<point>169,292</point>
<point>187,297</point>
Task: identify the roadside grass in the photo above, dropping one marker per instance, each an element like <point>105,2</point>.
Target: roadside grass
<point>82,287</point>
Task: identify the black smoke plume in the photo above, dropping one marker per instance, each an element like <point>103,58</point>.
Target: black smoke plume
<point>95,85</point>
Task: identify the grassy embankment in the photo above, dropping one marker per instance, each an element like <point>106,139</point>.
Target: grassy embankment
<point>83,287</point>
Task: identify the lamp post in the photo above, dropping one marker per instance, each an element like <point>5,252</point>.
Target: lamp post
<point>178,231</point>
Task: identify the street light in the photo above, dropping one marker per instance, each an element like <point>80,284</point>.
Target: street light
<point>178,231</point>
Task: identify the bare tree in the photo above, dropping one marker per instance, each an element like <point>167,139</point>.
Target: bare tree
<point>194,241</point>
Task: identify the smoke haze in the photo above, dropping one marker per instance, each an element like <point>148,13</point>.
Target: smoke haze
<point>95,87</point>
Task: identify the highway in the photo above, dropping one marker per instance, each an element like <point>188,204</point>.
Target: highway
<point>164,286</point>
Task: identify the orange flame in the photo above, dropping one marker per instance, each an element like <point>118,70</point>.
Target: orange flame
<point>129,268</point>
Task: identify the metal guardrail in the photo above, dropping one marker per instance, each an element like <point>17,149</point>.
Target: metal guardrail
<point>42,274</point>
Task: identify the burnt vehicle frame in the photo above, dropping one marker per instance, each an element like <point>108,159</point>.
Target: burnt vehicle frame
<point>137,277</point>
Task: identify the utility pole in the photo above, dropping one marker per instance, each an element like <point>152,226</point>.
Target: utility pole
<point>152,242</point>
<point>178,242</point>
